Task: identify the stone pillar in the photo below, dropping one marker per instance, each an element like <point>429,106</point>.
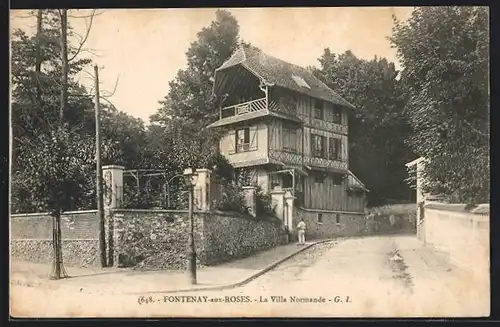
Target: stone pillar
<point>250,200</point>
<point>113,186</point>
<point>113,199</point>
<point>202,198</point>
<point>289,199</point>
<point>278,201</point>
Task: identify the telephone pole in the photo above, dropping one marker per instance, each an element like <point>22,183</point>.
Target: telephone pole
<point>100,200</point>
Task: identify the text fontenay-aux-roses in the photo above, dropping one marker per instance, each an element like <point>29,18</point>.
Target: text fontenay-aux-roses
<point>241,299</point>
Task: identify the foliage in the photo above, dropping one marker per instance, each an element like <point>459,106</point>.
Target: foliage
<point>35,116</point>
<point>377,127</point>
<point>264,206</point>
<point>231,199</point>
<point>189,105</point>
<point>448,106</point>
<point>55,172</point>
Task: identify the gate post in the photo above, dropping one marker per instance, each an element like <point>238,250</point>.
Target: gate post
<point>113,199</point>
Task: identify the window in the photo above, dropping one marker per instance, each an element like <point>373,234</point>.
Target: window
<point>318,109</point>
<point>318,148</point>
<point>243,140</point>
<point>300,81</point>
<point>337,219</point>
<point>320,218</point>
<point>337,115</point>
<point>319,177</point>
<point>289,139</point>
<point>287,181</point>
<point>334,146</point>
<point>337,179</point>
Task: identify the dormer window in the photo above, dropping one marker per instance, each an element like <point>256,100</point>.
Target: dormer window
<point>300,81</point>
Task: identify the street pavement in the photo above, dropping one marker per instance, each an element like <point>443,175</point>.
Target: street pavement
<point>387,276</point>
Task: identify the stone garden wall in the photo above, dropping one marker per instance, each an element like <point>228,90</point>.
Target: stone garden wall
<point>144,239</point>
<point>31,238</point>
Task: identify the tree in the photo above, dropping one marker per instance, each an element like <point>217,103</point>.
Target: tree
<point>377,127</point>
<point>189,105</point>
<point>444,55</point>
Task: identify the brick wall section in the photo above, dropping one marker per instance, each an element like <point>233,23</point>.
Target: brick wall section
<point>81,225</point>
<point>349,223</point>
<point>460,234</point>
<point>31,238</point>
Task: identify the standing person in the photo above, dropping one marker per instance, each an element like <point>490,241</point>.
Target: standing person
<point>301,228</point>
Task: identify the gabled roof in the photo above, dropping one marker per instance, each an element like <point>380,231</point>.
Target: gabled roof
<point>274,71</point>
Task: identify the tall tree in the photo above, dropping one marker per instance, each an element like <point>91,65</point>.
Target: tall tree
<point>189,105</point>
<point>444,55</point>
<point>190,93</point>
<point>377,127</point>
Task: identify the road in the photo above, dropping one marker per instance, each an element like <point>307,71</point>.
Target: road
<point>366,277</point>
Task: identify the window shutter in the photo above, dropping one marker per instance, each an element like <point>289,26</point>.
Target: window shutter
<point>231,142</point>
<point>253,138</point>
<point>341,150</point>
<point>323,145</point>
<point>313,149</point>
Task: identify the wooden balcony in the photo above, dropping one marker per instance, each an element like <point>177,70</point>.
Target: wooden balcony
<point>254,109</point>
<point>244,108</point>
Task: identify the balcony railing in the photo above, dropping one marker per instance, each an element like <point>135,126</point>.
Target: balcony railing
<point>243,108</point>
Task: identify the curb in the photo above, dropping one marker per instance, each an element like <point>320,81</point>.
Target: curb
<point>240,283</point>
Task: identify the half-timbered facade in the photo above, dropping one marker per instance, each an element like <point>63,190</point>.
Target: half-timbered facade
<point>288,129</point>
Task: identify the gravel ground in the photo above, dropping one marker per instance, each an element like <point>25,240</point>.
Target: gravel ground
<point>352,278</point>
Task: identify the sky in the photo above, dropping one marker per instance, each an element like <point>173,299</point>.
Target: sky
<point>143,49</point>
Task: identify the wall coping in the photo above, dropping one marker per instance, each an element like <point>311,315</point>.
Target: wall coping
<point>113,167</point>
<point>197,212</point>
<point>203,170</point>
<point>332,211</point>
<point>34,214</point>
<point>249,187</point>
<point>482,209</point>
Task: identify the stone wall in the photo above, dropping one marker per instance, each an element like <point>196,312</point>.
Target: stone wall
<point>330,224</point>
<point>31,238</point>
<point>154,239</point>
<point>157,239</point>
<point>460,234</point>
<point>235,236</point>
<point>145,239</point>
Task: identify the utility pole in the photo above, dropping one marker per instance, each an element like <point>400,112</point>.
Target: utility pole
<point>38,55</point>
<point>64,61</point>
<point>100,200</point>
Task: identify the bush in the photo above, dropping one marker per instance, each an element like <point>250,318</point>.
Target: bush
<point>231,199</point>
<point>264,206</point>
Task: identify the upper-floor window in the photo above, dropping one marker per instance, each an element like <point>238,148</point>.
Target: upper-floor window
<point>318,146</point>
<point>337,115</point>
<point>334,148</point>
<point>318,109</point>
<point>289,139</point>
<point>243,139</point>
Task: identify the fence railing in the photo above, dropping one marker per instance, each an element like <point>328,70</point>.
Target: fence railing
<point>243,108</point>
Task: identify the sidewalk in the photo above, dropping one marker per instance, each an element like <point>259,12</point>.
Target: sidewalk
<point>128,281</point>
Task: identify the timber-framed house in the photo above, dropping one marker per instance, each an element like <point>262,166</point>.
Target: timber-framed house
<point>288,130</point>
